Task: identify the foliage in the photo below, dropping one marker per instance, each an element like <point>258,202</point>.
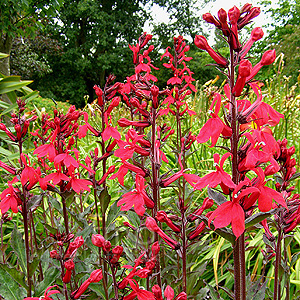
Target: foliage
<point>126,199</point>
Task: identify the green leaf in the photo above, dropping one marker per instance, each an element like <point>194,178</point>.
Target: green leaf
<point>17,243</point>
<point>296,175</point>
<point>9,109</point>
<point>214,295</point>
<point>253,220</point>
<point>12,83</point>
<point>35,201</point>
<point>55,204</point>
<point>112,214</point>
<point>15,274</point>
<point>9,288</point>
<point>226,233</point>
<point>216,196</point>
<point>51,274</point>
<point>104,198</point>
<point>3,55</point>
<point>31,96</point>
<point>34,264</point>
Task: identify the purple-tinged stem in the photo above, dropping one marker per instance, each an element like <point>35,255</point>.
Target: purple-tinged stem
<point>26,227</point>
<point>239,247</point>
<point>277,264</point>
<point>155,191</point>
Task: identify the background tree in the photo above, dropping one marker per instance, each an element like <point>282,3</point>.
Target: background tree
<point>284,34</point>
<point>22,18</point>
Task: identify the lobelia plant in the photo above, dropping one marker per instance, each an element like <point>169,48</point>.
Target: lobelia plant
<point>152,157</point>
<point>252,146</point>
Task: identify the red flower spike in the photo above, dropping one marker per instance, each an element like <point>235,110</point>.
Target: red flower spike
<point>109,132</point>
<point>95,276</point>
<point>233,15</point>
<point>8,168</point>
<point>207,203</point>
<point>211,19</point>
<point>227,213</point>
<point>181,296</point>
<point>98,240</point>
<point>99,93</point>
<point>266,193</point>
<point>117,252</point>
<point>267,59</point>
<point>197,231</point>
<point>251,13</point>
<point>222,14</point>
<point>139,293</point>
<point>125,281</point>
<point>268,233</point>
<point>10,199</point>
<point>155,249</point>
<point>78,185</point>
<point>214,127</point>
<point>201,43</point>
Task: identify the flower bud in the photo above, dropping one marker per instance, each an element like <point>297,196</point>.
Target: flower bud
<point>233,15</point>
<point>268,57</point>
<point>169,293</point>
<point>96,276</point>
<point>201,42</point>
<point>98,240</point>
<point>209,18</point>
<point>156,290</point>
<point>257,33</point>
<point>54,254</point>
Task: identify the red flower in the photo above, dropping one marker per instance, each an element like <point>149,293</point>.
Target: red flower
<point>137,198</point>
<point>47,294</point>
<point>95,276</point>
<point>78,185</point>
<point>214,178</point>
<point>46,150</point>
<point>109,132</point>
<point>127,148</point>
<point>139,293</point>
<point>67,159</point>
<point>9,198</point>
<point>266,194</point>
<point>227,213</point>
<point>169,293</point>
<point>152,226</point>
<point>214,127</point>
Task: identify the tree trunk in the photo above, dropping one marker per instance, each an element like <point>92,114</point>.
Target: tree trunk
<point>5,47</point>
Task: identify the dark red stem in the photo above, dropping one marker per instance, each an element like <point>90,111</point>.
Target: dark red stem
<point>277,264</point>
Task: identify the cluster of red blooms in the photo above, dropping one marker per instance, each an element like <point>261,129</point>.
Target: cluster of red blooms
<point>66,258</point>
<point>259,146</point>
<point>290,218</point>
<point>27,175</point>
<point>114,254</point>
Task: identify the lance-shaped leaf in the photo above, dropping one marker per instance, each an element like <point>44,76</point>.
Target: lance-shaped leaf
<point>9,288</point>
<point>17,243</point>
<point>216,196</point>
<point>17,275</point>
<point>256,218</point>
